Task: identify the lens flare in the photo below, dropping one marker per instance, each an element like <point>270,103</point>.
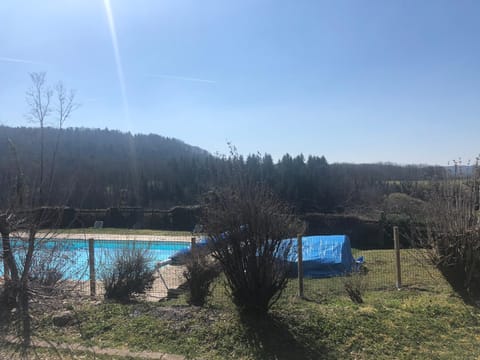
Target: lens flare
<point>118,59</point>
<point>123,89</point>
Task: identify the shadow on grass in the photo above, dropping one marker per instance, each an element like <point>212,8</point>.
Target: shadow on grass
<point>271,338</point>
<point>6,305</point>
<point>456,276</point>
<point>5,321</point>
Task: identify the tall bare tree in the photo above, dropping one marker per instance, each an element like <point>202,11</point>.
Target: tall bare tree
<point>25,213</point>
<point>38,99</point>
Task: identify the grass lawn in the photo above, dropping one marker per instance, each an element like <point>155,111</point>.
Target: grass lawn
<point>424,320</point>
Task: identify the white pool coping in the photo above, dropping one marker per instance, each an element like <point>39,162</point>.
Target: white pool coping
<point>119,237</point>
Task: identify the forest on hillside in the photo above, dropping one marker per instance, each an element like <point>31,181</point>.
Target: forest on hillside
<point>96,168</point>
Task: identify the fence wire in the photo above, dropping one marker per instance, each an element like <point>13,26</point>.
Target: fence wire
<point>377,273</point>
<point>70,255</point>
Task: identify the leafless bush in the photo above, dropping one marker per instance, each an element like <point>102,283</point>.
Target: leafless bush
<point>246,223</point>
<point>131,272</point>
<point>453,233</point>
<point>51,267</point>
<point>201,270</point>
<point>355,284</point>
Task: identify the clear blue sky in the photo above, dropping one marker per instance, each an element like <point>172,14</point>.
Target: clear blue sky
<point>356,81</point>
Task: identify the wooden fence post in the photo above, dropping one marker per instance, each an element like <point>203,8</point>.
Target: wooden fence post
<point>6,270</point>
<point>5,250</point>
<point>193,243</point>
<point>396,242</point>
<point>300,265</point>
<point>91,265</point>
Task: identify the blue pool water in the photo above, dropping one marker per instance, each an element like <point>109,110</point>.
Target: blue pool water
<point>72,255</point>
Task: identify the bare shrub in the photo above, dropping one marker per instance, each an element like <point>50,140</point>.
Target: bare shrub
<point>131,272</point>
<point>246,223</point>
<point>201,270</point>
<point>50,267</point>
<point>45,276</point>
<point>453,233</point>
<point>355,284</point>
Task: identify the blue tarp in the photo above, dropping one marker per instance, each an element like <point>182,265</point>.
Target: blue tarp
<point>201,242</point>
<point>324,256</point>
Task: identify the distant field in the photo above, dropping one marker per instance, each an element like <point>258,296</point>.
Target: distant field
<point>417,182</point>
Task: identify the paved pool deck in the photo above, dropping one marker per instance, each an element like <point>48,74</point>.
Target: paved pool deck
<point>126,237</point>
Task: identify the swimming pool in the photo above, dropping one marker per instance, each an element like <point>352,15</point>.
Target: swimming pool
<point>71,255</point>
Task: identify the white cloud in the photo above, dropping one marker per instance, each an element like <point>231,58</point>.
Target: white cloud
<point>182,78</point>
<point>22,61</point>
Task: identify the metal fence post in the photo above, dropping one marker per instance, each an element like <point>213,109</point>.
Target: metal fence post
<point>300,266</point>
<point>91,265</point>
<point>396,242</point>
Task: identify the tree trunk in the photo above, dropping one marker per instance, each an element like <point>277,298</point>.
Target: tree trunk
<point>10,267</point>
<point>5,252</point>
<point>24,310</point>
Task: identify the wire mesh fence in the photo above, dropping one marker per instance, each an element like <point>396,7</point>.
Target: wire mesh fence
<point>80,260</point>
<point>76,262</point>
<point>377,273</point>
<point>158,251</point>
